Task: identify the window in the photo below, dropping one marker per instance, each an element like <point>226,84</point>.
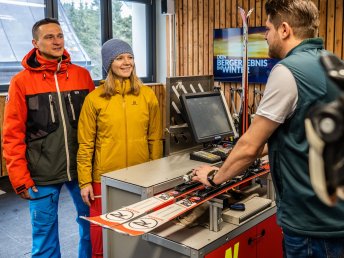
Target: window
<point>80,22</point>
<point>16,20</point>
<point>86,25</point>
<point>129,23</point>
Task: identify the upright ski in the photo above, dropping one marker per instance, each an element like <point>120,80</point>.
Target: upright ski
<point>135,210</point>
<point>153,220</point>
<point>244,116</point>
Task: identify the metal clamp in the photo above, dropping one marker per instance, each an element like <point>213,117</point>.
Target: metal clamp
<point>188,176</point>
<point>215,212</point>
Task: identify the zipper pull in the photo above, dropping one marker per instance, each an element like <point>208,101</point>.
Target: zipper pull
<point>51,108</point>
<point>71,106</point>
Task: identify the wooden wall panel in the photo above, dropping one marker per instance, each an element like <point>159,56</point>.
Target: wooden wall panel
<point>217,15</point>
<point>233,14</point>
<point>338,31</point>
<point>323,18</point>
<point>190,47</point>
<point>258,12</point>
<point>228,13</point>
<point>200,37</point>
<point>184,30</point>
<point>195,48</point>
<point>160,92</point>
<point>330,26</point>
<point>179,37</point>
<point>205,37</point>
<point>195,38</point>
<point>222,15</point>
<point>210,36</point>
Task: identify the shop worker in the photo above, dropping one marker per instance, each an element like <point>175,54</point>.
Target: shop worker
<point>296,83</point>
<point>119,127</point>
<point>40,135</point>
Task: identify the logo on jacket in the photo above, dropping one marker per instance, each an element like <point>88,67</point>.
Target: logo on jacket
<point>134,103</point>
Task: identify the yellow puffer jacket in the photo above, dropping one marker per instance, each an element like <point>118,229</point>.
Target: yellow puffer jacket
<point>119,132</point>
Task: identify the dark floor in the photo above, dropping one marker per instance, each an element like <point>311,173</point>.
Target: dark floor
<point>15,226</point>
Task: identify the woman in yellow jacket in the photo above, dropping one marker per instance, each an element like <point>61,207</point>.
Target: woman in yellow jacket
<point>119,126</point>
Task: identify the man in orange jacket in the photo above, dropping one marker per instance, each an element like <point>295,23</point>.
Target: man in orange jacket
<point>40,135</point>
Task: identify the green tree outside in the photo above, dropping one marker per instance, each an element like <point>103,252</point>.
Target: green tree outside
<point>85,20</point>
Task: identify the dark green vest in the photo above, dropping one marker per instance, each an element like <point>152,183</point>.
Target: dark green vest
<point>299,209</point>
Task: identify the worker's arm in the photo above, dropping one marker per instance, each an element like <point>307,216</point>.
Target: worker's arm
<point>249,147</point>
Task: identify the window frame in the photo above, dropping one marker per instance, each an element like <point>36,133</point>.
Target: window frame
<point>51,10</point>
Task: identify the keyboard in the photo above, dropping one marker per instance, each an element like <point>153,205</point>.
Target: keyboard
<point>223,155</point>
<point>222,152</point>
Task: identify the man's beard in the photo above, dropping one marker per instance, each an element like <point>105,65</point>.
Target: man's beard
<point>275,50</point>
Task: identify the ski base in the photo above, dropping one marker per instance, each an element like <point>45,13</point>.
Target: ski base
<point>136,225</point>
<point>125,214</point>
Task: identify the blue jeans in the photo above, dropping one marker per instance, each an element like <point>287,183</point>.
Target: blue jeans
<point>296,246</point>
<point>44,220</point>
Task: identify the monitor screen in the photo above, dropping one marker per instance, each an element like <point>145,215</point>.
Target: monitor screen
<point>208,116</point>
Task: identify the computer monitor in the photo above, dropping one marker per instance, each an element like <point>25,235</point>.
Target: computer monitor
<point>208,116</point>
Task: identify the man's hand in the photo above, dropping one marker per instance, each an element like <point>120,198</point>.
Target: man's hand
<point>25,194</point>
<point>87,194</point>
<point>201,174</point>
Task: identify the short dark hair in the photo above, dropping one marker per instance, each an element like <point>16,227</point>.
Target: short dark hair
<point>301,15</point>
<point>42,22</point>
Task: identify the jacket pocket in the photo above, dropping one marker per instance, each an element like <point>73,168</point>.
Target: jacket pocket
<point>74,101</point>
<point>42,117</point>
<point>33,155</point>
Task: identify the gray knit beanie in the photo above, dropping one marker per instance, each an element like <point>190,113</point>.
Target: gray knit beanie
<point>113,48</point>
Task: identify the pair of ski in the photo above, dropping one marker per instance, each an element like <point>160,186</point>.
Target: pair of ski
<point>167,206</point>
<point>244,113</point>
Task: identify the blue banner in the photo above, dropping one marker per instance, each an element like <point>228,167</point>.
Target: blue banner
<point>228,50</point>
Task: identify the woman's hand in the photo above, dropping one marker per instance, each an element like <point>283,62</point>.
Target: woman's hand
<point>87,194</point>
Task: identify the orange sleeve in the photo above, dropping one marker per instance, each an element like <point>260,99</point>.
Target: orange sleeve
<point>14,146</point>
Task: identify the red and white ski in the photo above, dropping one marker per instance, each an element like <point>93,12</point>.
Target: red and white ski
<point>153,220</point>
<point>244,116</point>
<point>135,210</point>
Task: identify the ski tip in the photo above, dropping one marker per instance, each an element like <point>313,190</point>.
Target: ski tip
<point>100,222</point>
<point>84,217</point>
<point>249,12</point>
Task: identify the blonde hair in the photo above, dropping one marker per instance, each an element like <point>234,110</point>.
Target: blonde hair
<point>109,84</point>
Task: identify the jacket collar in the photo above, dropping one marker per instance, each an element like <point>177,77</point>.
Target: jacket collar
<point>36,62</point>
<point>123,87</point>
<point>310,43</point>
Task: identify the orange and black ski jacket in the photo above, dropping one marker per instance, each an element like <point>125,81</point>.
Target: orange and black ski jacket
<point>40,121</point>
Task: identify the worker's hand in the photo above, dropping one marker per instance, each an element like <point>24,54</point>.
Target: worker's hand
<point>25,194</point>
<point>87,195</point>
<point>201,174</point>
